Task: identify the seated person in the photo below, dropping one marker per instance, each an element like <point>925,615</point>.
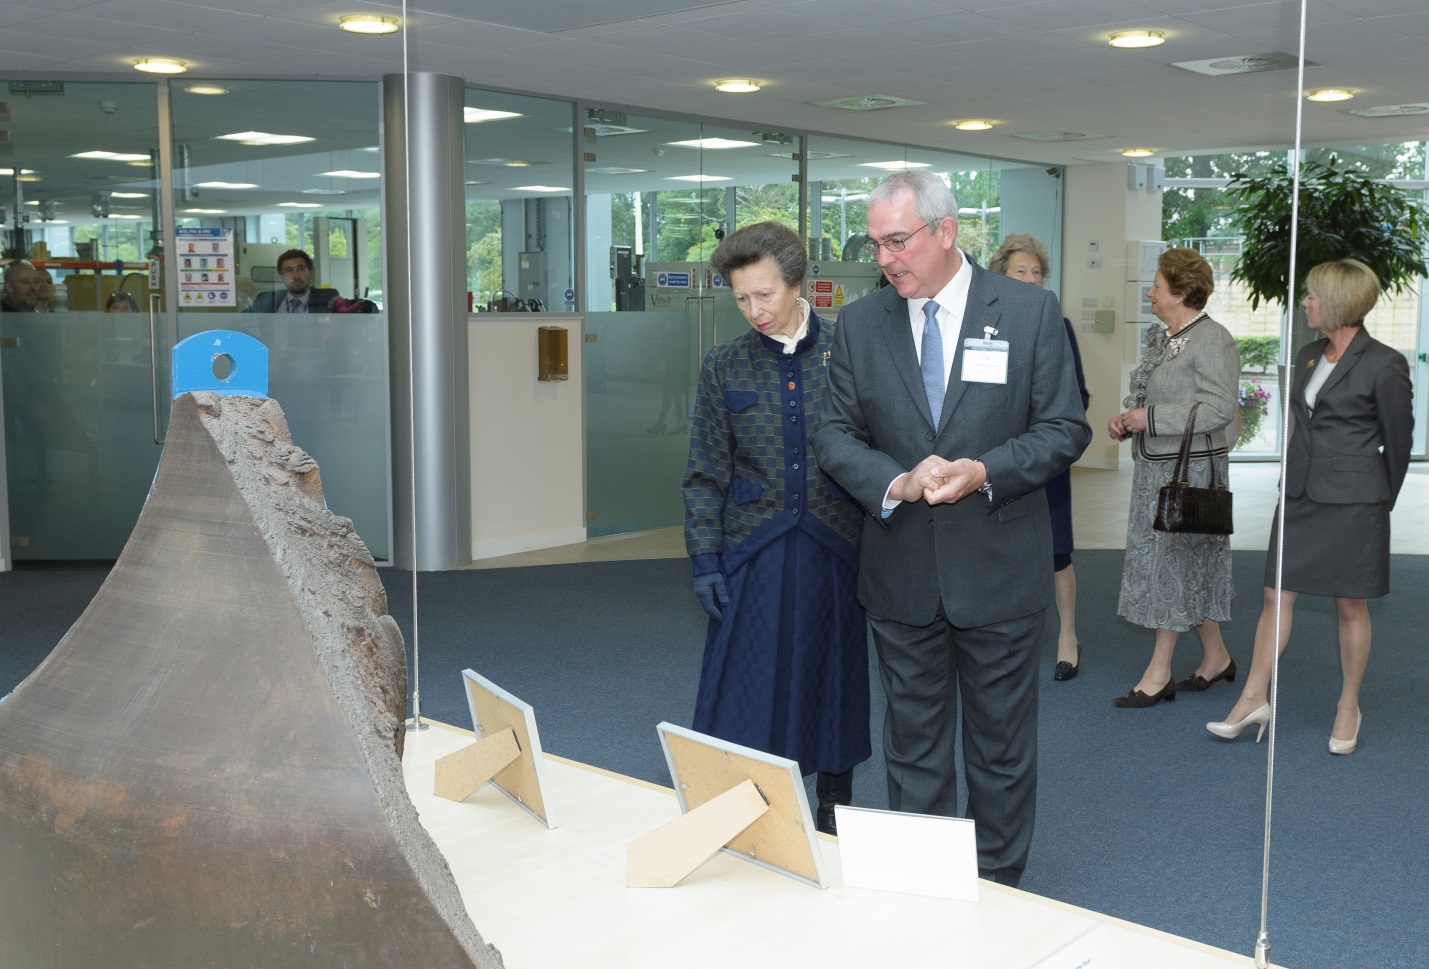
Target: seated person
<point>295,268</point>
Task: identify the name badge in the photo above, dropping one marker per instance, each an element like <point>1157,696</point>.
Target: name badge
<point>985,361</point>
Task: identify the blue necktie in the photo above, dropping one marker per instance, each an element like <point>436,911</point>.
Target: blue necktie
<point>932,365</point>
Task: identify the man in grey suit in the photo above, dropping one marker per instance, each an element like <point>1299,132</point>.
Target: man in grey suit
<point>952,401</point>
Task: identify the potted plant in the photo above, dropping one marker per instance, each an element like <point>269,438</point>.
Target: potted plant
<point>1254,403</point>
<point>1342,214</point>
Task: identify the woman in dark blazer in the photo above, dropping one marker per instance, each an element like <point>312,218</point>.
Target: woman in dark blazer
<point>773,542</point>
<point>1348,454</point>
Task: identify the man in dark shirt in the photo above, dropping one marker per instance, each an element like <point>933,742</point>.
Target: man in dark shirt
<point>295,268</point>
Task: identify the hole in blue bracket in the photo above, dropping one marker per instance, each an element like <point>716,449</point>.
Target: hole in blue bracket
<point>223,361</point>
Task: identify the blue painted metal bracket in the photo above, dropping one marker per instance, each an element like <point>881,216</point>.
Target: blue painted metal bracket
<point>195,358</point>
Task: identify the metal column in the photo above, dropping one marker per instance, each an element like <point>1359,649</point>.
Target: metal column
<point>424,222</point>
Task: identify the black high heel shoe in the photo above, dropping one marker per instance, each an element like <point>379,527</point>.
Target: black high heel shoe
<point>1135,698</point>
<point>1064,671</point>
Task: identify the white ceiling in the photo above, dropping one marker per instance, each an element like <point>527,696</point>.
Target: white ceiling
<point>1035,67</point>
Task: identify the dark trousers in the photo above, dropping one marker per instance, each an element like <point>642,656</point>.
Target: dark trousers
<point>925,669</point>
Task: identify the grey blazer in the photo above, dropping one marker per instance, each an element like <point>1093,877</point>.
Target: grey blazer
<point>1200,364</point>
<point>984,562</point>
<point>1354,447</point>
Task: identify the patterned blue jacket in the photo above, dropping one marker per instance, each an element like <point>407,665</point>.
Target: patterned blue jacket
<point>752,475</point>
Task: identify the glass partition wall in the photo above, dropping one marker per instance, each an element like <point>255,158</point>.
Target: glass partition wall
<point>80,199</point>
<point>660,194</point>
<point>520,203</point>
<point>255,168</point>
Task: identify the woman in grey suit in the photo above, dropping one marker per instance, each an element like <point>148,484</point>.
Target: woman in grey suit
<point>1172,581</point>
<point>1347,457</point>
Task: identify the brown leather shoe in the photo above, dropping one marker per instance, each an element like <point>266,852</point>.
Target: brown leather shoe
<point>1135,698</point>
<point>1199,684</point>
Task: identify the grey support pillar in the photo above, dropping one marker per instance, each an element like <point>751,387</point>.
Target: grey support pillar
<point>425,300</point>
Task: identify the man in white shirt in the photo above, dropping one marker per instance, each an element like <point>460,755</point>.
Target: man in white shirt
<point>952,401</point>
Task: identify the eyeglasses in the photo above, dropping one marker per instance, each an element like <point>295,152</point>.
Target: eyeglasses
<point>897,243</point>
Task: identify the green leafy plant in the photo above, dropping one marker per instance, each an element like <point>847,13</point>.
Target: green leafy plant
<point>1258,351</point>
<point>1343,214</point>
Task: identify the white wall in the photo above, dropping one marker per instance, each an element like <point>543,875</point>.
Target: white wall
<point>527,438</point>
<point>1102,215</point>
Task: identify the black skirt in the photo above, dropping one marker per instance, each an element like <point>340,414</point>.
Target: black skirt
<point>1333,550</point>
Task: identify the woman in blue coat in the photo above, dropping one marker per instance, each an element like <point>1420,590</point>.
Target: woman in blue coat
<point>773,542</point>
<point>1348,454</point>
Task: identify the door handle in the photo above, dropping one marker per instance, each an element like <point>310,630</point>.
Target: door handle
<point>154,364</point>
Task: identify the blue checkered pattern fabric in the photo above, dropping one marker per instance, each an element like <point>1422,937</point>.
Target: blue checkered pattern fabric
<point>752,474</point>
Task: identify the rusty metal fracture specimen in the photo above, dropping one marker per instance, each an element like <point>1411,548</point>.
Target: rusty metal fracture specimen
<point>206,771</point>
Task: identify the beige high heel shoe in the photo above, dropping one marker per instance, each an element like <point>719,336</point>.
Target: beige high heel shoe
<point>1347,746</point>
<point>1260,715</point>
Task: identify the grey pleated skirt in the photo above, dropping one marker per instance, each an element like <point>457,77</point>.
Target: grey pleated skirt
<point>1333,550</point>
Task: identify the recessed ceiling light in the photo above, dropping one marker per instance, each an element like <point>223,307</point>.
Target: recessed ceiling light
<point>516,163</point>
<point>540,188</point>
<point>1329,94</point>
<point>129,195</point>
<point>1138,152</point>
<point>189,211</point>
<point>160,65</point>
<point>737,85</point>
<point>894,166</point>
<point>300,205</point>
<point>124,215</point>
<point>23,171</point>
<point>972,125</point>
<point>224,185</point>
<point>323,191</point>
<point>27,178</point>
<point>1137,38</point>
<point>699,178</point>
<point>348,173</point>
<point>366,23</point>
<point>612,170</point>
<point>205,89</point>
<point>112,156</point>
<point>263,138</point>
<point>713,144</point>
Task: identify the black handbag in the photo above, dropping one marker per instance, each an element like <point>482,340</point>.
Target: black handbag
<point>1181,507</point>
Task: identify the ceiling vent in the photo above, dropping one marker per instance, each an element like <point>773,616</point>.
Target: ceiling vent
<point>1249,64</point>
<point>1057,136</point>
<point>1390,110</point>
<point>872,102</point>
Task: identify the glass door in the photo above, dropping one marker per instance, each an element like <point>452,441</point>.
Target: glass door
<point>81,386</point>
<point>660,194</point>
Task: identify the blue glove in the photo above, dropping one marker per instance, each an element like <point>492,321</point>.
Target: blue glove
<point>712,593</point>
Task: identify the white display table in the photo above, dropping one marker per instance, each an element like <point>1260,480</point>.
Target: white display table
<point>549,898</point>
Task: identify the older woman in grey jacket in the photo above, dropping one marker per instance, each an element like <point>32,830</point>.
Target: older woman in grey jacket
<point>1172,582</point>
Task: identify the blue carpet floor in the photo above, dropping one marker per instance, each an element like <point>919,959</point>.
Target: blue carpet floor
<point>1141,813</point>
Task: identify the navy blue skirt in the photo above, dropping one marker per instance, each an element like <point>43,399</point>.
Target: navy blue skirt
<point>786,669</point>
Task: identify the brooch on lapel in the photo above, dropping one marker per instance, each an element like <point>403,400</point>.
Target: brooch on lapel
<point>1310,364</point>
<point>1176,344</point>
